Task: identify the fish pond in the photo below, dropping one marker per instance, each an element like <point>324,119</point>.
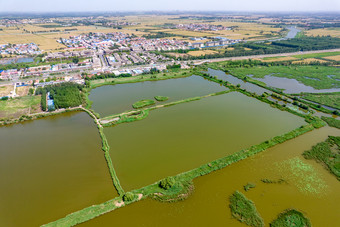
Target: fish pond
<point>49,168</point>
<point>307,186</point>
<point>181,137</point>
<point>114,99</point>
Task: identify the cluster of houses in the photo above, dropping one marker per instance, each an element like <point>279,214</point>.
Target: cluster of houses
<point>217,41</point>
<point>121,42</point>
<point>202,27</point>
<point>20,49</point>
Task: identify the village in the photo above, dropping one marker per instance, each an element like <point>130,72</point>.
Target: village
<point>94,54</point>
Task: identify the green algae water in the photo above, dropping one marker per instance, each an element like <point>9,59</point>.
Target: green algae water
<point>49,168</point>
<point>182,137</point>
<point>114,99</point>
<point>208,206</point>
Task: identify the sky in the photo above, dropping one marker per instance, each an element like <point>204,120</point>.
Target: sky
<point>168,5</point>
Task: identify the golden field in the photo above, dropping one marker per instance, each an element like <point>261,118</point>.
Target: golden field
<point>201,52</point>
<point>334,58</point>
<point>334,32</point>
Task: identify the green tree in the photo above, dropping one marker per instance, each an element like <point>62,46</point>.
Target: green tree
<point>167,183</point>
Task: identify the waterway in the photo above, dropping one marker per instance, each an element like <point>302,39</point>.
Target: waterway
<point>292,86</point>
<point>179,138</point>
<point>244,85</point>
<point>114,99</point>
<point>49,168</point>
<point>208,206</point>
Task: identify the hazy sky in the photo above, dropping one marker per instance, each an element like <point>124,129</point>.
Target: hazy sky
<point>168,5</point>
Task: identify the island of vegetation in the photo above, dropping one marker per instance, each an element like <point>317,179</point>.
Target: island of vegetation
<point>244,210</point>
<point>161,98</point>
<point>143,103</point>
<point>327,153</point>
<point>290,218</point>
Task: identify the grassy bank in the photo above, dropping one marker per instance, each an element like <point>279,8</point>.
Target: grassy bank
<point>180,73</point>
<point>290,218</point>
<point>331,122</point>
<point>327,153</point>
<point>244,210</point>
<point>106,149</point>
<point>328,99</point>
<point>37,116</point>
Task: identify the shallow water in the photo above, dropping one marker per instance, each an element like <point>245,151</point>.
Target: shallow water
<point>179,138</point>
<point>208,206</point>
<point>49,168</point>
<point>231,79</point>
<point>114,99</point>
<point>292,86</point>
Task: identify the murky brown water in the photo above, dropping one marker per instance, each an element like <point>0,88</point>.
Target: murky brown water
<point>182,137</point>
<point>50,168</point>
<point>208,206</point>
<point>114,99</point>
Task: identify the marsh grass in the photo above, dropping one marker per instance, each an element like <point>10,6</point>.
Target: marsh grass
<point>244,210</point>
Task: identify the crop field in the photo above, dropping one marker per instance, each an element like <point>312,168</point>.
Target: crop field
<point>184,32</point>
<point>47,40</point>
<point>201,52</point>
<point>309,60</point>
<point>334,32</point>
<point>16,107</point>
<point>274,59</point>
<point>317,55</point>
<point>23,91</point>
<point>333,58</point>
<point>5,90</point>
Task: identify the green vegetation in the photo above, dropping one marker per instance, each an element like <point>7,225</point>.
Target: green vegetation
<point>290,218</point>
<point>167,183</point>
<point>328,99</point>
<point>65,95</point>
<point>129,196</point>
<point>244,210</point>
<point>331,122</point>
<point>328,153</point>
<point>171,74</point>
<point>125,118</point>
<point>15,107</point>
<point>301,43</point>
<point>161,98</point>
<point>143,103</point>
<point>106,149</point>
<point>317,77</point>
<point>249,186</point>
<point>170,190</point>
<point>43,100</point>
<point>317,55</point>
<point>268,181</point>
